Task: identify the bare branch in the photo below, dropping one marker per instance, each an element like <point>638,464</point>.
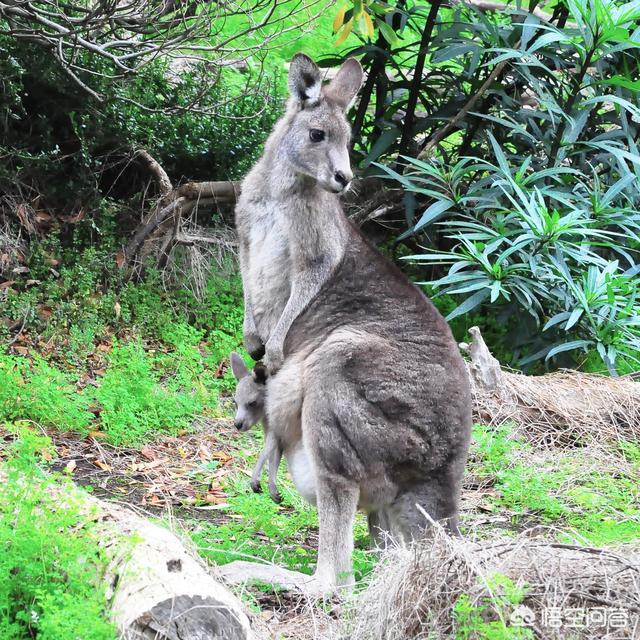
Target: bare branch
<point>129,35</point>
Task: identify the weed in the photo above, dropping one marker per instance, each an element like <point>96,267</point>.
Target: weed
<point>35,390</point>
<point>568,489</point>
<point>50,560</point>
<point>477,621</point>
<point>134,403</point>
<point>157,352</point>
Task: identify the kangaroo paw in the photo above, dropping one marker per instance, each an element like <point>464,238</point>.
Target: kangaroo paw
<point>256,487</point>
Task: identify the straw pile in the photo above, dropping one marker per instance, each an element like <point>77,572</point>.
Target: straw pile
<point>520,588</point>
<point>556,409</point>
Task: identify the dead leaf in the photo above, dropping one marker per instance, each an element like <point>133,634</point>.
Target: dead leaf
<point>23,351</point>
<point>23,215</point>
<point>223,456</point>
<point>71,466</point>
<point>116,308</point>
<point>150,465</point>
<point>203,453</point>
<point>98,435</point>
<point>148,452</point>
<point>75,218</point>
<point>44,311</point>
<point>46,455</point>
<point>102,465</point>
<point>42,217</point>
<point>120,259</point>
<point>209,507</point>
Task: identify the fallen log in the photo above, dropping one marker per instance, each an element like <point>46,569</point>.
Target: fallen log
<point>562,408</point>
<point>157,588</point>
<point>162,591</point>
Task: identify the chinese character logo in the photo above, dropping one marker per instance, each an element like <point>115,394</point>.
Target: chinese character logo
<point>522,616</point>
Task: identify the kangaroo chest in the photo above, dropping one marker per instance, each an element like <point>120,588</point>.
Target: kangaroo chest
<point>269,277</point>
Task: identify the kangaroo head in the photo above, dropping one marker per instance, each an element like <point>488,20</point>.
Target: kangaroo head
<point>250,393</point>
<point>316,143</point>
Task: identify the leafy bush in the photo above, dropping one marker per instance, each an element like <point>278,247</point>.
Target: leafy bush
<point>523,164</point>
<point>50,562</point>
<point>35,390</point>
<point>570,269</point>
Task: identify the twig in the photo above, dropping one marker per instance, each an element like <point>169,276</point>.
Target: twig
<point>444,131</point>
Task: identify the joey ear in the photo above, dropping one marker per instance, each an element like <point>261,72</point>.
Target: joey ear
<point>346,84</point>
<point>305,79</point>
<point>238,366</point>
<point>260,373</point>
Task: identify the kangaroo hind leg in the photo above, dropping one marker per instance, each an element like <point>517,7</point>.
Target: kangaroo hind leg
<point>438,497</point>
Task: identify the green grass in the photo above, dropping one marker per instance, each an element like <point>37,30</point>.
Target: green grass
<point>50,563</point>
<point>488,619</point>
<point>259,528</point>
<point>597,499</point>
<point>134,361</point>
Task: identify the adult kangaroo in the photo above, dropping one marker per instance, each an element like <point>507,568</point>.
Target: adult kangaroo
<point>371,398</point>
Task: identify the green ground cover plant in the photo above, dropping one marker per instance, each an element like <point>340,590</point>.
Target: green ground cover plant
<point>489,621</point>
<point>134,360</point>
<point>257,527</point>
<point>588,494</point>
<point>50,564</point>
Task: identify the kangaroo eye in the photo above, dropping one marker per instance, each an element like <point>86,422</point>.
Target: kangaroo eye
<point>316,135</point>
<point>252,405</point>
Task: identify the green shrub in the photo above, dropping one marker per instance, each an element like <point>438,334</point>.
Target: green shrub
<point>134,405</point>
<point>533,209</point>
<point>35,390</point>
<point>50,563</point>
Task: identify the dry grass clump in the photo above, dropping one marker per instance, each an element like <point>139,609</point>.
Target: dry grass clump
<point>565,407</point>
<point>12,247</point>
<point>555,409</point>
<point>510,589</point>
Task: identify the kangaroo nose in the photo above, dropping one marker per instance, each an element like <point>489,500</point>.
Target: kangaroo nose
<point>340,178</point>
<point>238,424</point>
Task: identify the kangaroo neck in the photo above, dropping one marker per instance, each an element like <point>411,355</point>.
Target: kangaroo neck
<point>313,216</point>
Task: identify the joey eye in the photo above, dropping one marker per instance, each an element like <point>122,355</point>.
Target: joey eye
<point>316,135</point>
<point>252,405</point>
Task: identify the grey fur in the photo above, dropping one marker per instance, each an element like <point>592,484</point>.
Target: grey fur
<point>250,402</point>
<point>371,399</point>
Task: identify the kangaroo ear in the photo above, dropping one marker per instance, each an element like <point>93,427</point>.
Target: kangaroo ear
<point>238,366</point>
<point>304,78</point>
<point>260,373</point>
<point>346,84</point>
